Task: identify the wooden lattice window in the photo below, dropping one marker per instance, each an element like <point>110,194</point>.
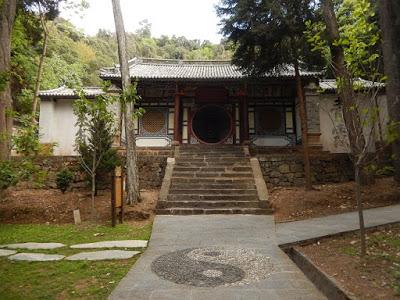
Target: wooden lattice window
<point>153,122</point>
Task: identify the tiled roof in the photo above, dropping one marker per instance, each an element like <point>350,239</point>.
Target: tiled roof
<point>171,69</point>
<point>64,91</point>
<point>330,85</point>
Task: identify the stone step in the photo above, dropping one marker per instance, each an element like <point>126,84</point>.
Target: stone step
<point>211,149</point>
<point>207,204</point>
<point>213,191</point>
<point>212,160</point>
<point>212,155</point>
<point>200,164</point>
<point>222,150</point>
<point>206,174</point>
<point>212,169</point>
<point>206,186</point>
<point>191,197</point>
<point>219,180</point>
<point>209,211</point>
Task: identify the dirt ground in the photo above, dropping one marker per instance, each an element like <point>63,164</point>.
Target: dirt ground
<point>294,203</point>
<point>377,276</point>
<point>35,206</point>
<point>23,205</point>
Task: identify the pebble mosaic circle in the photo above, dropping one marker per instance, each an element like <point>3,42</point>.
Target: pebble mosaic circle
<point>211,267</point>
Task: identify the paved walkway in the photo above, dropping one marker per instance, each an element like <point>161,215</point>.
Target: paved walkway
<point>259,233</point>
<point>292,232</point>
<point>226,232</point>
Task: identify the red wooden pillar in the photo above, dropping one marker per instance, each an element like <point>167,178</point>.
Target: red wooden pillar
<point>245,116</point>
<point>177,113</point>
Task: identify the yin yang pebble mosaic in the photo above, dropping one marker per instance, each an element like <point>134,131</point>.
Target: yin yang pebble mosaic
<point>212,267</point>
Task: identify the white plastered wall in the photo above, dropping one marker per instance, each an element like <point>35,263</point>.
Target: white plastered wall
<point>57,125</point>
<point>331,120</point>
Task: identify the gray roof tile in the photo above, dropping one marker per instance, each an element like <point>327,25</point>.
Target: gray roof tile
<point>64,91</point>
<point>170,69</point>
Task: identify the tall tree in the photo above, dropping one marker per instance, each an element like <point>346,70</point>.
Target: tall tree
<point>41,60</point>
<point>350,47</point>
<point>389,15</point>
<point>8,10</point>
<point>269,37</point>
<point>129,93</point>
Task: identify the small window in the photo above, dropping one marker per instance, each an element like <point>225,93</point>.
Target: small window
<point>270,120</point>
<point>153,122</point>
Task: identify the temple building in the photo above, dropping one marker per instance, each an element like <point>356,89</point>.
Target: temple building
<point>205,102</point>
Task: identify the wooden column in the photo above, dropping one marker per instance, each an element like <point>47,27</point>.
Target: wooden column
<point>245,117</point>
<point>177,113</point>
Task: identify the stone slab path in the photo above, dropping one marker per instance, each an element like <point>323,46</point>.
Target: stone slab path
<point>292,232</point>
<point>7,252</point>
<point>36,257</point>
<point>103,255</point>
<point>214,257</point>
<point>112,244</point>
<point>34,246</point>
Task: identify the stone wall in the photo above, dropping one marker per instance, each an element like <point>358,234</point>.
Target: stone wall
<point>287,169</point>
<point>151,164</point>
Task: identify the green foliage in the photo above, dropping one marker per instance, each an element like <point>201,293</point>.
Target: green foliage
<point>95,135</point>
<point>8,174</point>
<point>74,59</point>
<point>4,78</point>
<point>359,38</point>
<point>26,139</point>
<point>64,179</point>
<point>14,171</point>
<point>131,97</point>
<point>268,35</point>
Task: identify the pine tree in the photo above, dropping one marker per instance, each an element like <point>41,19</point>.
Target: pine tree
<point>269,37</point>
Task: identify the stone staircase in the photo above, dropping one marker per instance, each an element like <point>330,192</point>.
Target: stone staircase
<point>212,180</point>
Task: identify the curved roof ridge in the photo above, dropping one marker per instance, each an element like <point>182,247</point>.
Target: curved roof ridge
<point>148,60</point>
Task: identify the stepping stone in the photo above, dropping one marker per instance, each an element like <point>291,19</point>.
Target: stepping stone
<point>36,257</point>
<point>112,244</point>
<point>7,252</point>
<point>34,246</point>
<point>103,255</point>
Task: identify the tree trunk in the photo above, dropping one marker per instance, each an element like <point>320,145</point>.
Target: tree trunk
<point>131,165</point>
<point>7,17</point>
<point>40,68</point>
<point>304,128</point>
<point>390,23</point>
<point>346,93</point>
<point>350,110</point>
<point>363,247</point>
<point>93,193</point>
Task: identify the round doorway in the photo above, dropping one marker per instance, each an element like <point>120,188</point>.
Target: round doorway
<point>212,124</point>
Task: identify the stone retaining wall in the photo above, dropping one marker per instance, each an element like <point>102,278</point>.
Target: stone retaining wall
<point>288,169</point>
<point>151,164</point>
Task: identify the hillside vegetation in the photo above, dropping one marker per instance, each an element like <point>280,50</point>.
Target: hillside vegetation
<point>74,59</point>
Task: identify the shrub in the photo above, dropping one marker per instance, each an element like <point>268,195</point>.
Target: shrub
<point>64,179</point>
<point>9,174</point>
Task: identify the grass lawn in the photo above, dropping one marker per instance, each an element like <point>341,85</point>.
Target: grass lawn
<point>64,279</point>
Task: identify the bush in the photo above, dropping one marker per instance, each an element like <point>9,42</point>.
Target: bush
<point>64,179</point>
<point>9,174</point>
